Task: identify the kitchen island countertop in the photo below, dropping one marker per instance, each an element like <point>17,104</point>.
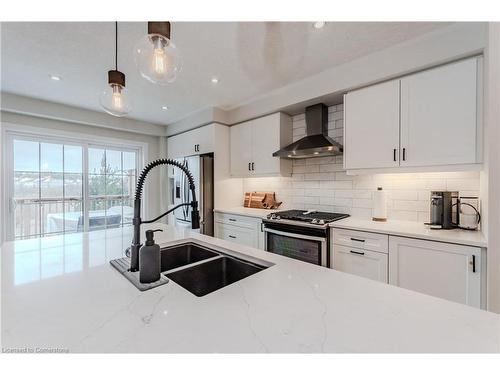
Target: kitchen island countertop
<point>61,292</point>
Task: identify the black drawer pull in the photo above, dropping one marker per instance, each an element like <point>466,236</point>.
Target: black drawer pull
<point>404,154</point>
<point>232,219</point>
<point>474,264</point>
<point>394,154</point>
<point>231,236</point>
<point>356,252</point>
<point>357,240</point>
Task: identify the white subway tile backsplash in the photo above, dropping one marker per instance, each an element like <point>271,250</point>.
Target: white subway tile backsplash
<point>322,184</point>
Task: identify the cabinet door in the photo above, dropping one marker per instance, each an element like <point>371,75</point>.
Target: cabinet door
<point>365,263</point>
<point>180,146</point>
<point>265,141</point>
<point>442,270</point>
<point>371,127</point>
<point>192,142</point>
<point>241,149</point>
<point>438,116</point>
<point>203,138</point>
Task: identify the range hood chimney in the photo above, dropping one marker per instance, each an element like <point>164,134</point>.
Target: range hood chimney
<point>316,142</point>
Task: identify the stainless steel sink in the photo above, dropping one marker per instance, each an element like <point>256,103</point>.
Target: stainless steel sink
<point>181,255</point>
<point>214,274</point>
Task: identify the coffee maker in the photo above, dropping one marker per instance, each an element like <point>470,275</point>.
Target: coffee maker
<point>444,210</point>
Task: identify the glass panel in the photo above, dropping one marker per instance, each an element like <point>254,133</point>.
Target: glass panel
<point>53,217</point>
<point>113,213</point>
<point>128,211</point>
<point>26,185</point>
<point>129,185</point>
<point>73,185</point>
<point>51,157</point>
<point>26,156</point>
<point>27,219</point>
<point>51,185</point>
<point>301,249</point>
<point>113,162</point>
<point>97,185</point>
<point>97,161</point>
<point>73,216</point>
<point>114,186</point>
<point>129,162</point>
<point>97,214</point>
<point>73,162</point>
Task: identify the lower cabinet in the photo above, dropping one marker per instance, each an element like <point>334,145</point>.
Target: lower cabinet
<point>365,263</point>
<point>448,271</point>
<point>239,229</point>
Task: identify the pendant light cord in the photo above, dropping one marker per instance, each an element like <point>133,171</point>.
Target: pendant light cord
<point>116,45</point>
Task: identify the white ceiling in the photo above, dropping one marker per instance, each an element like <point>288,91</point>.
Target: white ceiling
<point>250,59</point>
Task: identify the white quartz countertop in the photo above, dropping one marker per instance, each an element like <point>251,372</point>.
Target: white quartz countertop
<point>258,213</point>
<point>414,230</point>
<point>61,292</point>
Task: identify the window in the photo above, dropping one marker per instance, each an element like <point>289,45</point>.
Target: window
<point>64,187</point>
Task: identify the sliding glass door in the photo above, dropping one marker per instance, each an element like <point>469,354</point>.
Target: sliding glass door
<point>58,186</point>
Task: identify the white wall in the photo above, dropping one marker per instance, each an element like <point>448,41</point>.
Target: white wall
<point>321,183</point>
<point>156,148</point>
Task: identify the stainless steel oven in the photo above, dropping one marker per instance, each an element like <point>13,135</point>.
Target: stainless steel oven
<point>309,244</point>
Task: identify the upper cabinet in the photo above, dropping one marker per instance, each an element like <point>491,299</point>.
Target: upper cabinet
<point>193,142</point>
<point>253,143</point>
<point>427,119</point>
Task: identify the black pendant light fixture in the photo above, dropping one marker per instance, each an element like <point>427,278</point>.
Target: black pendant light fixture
<point>156,57</point>
<point>114,98</point>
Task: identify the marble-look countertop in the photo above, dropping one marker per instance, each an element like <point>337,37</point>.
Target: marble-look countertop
<point>61,292</point>
<point>414,230</point>
<point>258,213</point>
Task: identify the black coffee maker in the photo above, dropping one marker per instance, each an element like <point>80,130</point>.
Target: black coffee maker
<point>444,210</point>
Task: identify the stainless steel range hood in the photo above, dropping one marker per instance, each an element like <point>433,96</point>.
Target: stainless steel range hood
<point>316,142</point>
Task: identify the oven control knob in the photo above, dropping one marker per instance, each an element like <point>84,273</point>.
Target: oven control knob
<point>278,217</point>
<point>271,216</point>
<point>321,222</point>
<point>314,221</point>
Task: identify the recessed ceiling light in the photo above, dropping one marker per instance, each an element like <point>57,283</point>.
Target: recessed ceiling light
<point>54,77</point>
<point>164,107</point>
<point>319,24</point>
<point>215,80</point>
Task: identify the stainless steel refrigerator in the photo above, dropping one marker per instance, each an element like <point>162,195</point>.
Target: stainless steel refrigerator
<point>202,169</point>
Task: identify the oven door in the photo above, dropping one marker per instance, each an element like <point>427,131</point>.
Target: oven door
<point>311,249</point>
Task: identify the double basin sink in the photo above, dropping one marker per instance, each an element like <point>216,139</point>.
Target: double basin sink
<point>201,270</point>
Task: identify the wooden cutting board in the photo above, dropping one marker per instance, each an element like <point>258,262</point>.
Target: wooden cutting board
<point>258,199</point>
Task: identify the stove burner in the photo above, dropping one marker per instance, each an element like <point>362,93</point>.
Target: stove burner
<point>313,217</point>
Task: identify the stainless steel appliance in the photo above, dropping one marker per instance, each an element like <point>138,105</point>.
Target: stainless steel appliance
<point>202,169</point>
<point>302,235</point>
<point>443,210</point>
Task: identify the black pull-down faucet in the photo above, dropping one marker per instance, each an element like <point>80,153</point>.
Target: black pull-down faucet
<point>195,215</point>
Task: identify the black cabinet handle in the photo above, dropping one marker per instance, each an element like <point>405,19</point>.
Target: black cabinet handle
<point>357,239</point>
<point>232,219</point>
<point>356,252</point>
<point>394,154</point>
<point>231,236</point>
<point>474,264</point>
<point>404,154</point>
<point>253,167</point>
<point>249,164</point>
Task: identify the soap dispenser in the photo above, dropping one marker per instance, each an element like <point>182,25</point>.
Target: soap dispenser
<point>150,259</point>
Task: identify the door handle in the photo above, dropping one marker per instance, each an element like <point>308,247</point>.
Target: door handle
<point>404,154</point>
<point>394,155</point>
<point>357,240</point>
<point>357,252</point>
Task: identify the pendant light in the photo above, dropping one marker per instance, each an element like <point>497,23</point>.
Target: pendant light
<point>115,99</point>
<point>156,57</point>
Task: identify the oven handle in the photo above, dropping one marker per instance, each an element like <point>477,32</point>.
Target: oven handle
<point>295,235</point>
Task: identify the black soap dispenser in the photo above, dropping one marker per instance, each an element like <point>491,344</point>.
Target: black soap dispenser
<point>150,259</point>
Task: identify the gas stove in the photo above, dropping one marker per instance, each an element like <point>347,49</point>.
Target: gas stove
<point>307,218</point>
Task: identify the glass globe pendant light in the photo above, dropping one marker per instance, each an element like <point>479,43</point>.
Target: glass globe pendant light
<point>114,98</point>
<point>156,57</point>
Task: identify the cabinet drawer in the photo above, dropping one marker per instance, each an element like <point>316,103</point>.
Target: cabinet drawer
<point>242,236</point>
<point>237,220</point>
<point>361,240</point>
<point>365,263</point>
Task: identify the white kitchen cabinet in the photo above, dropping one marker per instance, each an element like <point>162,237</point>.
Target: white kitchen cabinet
<point>424,120</point>
<point>243,230</point>
<point>371,131</point>
<point>365,263</point>
<point>192,142</point>
<point>438,115</point>
<point>448,271</point>
<point>253,143</point>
